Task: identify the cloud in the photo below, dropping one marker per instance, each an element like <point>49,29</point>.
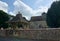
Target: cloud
<point>27,11</point>
<point>11,13</point>
<point>37,2</point>
<point>3,6</point>
<point>55,0</point>
<point>44,5</point>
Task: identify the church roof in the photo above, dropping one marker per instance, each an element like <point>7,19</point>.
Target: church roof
<point>36,18</point>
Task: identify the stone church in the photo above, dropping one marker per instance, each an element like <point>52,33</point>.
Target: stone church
<point>38,22</point>
<point>35,22</point>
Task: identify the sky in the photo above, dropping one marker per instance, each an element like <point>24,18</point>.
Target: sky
<point>27,8</point>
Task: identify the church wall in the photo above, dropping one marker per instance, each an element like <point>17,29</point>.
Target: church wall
<point>38,24</point>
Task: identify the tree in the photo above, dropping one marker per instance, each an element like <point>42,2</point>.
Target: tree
<point>53,15</point>
<point>3,18</point>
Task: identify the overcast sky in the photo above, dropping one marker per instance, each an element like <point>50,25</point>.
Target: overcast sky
<point>27,8</point>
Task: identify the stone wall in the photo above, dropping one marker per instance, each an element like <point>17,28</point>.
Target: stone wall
<point>43,33</point>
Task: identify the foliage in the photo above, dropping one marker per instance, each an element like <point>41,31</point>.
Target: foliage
<point>3,19</point>
<point>53,15</point>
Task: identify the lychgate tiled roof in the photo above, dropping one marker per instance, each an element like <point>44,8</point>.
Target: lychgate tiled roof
<point>18,18</point>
